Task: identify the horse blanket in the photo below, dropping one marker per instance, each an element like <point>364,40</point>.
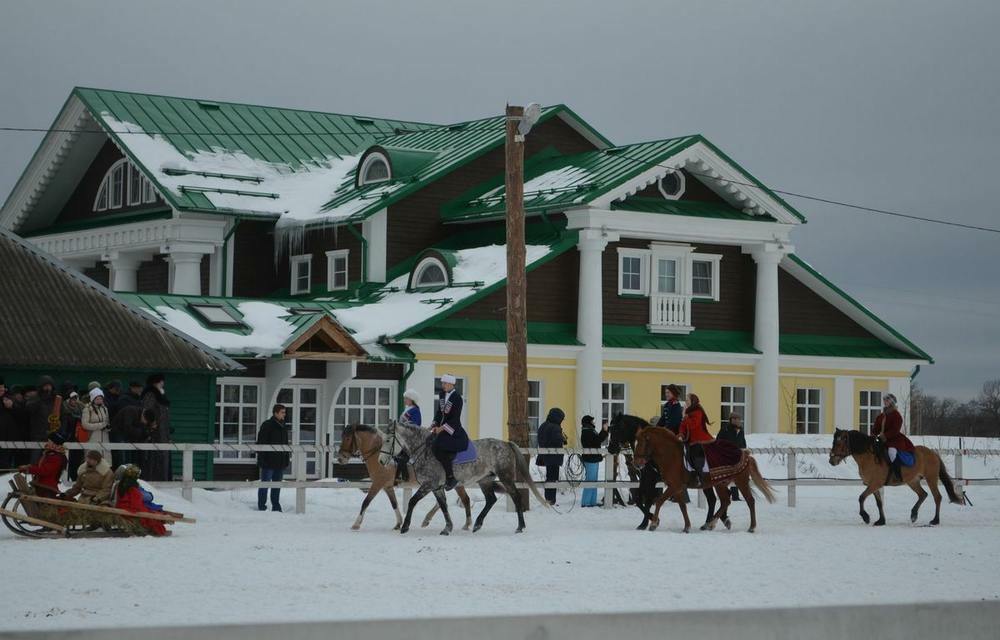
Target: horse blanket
<point>725,459</point>
<point>469,455</point>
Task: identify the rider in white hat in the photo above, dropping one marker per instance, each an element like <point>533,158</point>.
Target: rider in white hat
<point>451,436</point>
<point>411,407</point>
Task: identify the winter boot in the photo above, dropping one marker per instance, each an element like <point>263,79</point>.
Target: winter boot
<point>897,469</point>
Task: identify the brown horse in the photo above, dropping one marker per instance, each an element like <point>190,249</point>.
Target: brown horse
<point>874,470</point>
<point>366,443</point>
<point>667,450</point>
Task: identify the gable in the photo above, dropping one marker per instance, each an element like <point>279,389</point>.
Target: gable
<point>802,311</point>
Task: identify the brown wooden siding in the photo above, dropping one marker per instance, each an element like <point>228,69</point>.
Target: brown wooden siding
<point>551,294</point>
<point>310,369</point>
<point>694,189</point>
<point>254,274</point>
<point>316,243</point>
<point>801,310</point>
<point>255,367</point>
<point>99,274</point>
<point>80,205</point>
<point>618,309</point>
<point>414,223</point>
<point>153,276</point>
<point>378,371</point>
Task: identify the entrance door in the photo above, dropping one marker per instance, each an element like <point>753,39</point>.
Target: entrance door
<point>370,402</point>
<point>302,402</point>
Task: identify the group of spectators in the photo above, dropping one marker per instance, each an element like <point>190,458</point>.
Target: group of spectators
<point>96,414</point>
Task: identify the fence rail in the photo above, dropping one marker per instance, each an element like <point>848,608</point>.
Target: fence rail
<point>301,483</point>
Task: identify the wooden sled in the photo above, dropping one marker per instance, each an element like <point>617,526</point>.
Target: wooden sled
<point>33,516</point>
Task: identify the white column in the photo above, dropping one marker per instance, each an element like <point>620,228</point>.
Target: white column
<point>215,284</point>
<point>374,232</point>
<point>185,272</point>
<point>492,379</point>
<point>900,387</point>
<point>844,415</point>
<point>590,324</point>
<point>124,268</point>
<point>765,339</point>
<point>422,381</point>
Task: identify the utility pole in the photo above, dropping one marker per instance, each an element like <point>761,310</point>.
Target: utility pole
<point>517,323</point>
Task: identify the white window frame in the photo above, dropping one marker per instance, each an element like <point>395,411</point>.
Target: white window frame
<point>539,400</point>
<point>643,256</point>
<point>293,263</point>
<point>607,403</point>
<point>146,192</point>
<point>680,192</point>
<point>806,406</point>
<point>240,457</point>
<point>872,409</point>
<point>337,429</point>
<point>742,408</point>
<point>423,266</point>
<point>331,272</point>
<point>371,159</point>
<point>714,259</point>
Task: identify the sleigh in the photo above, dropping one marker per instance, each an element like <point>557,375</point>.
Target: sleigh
<point>27,514</point>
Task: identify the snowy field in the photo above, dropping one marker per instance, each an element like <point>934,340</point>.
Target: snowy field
<point>240,565</point>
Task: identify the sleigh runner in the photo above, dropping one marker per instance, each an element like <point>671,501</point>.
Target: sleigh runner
<point>27,514</point>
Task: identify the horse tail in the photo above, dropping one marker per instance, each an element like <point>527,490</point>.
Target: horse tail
<point>949,485</point>
<point>760,482</point>
<point>524,471</point>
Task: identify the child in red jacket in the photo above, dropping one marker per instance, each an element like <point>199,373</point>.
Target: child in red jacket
<point>129,497</point>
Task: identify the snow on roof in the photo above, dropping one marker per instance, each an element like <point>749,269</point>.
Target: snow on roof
<point>554,181</point>
<point>296,193</point>
<point>269,331</point>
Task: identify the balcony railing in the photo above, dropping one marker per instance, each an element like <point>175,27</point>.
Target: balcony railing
<point>670,313</point>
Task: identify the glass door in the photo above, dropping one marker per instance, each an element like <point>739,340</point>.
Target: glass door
<point>364,402</point>
<point>302,402</point>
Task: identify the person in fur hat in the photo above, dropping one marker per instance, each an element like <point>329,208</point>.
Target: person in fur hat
<point>888,427</point>
<point>47,471</point>
<point>93,480</point>
<point>96,421</point>
<point>411,407</point>
<point>129,496</point>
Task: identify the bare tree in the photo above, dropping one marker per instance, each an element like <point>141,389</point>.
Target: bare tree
<point>989,399</point>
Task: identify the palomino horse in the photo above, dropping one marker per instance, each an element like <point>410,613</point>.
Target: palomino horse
<point>874,471</point>
<point>667,450</point>
<point>366,443</point>
<point>623,429</point>
<point>497,460</point>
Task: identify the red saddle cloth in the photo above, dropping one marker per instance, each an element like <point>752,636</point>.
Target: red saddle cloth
<point>725,459</point>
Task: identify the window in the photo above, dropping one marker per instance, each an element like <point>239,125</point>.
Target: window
<point>123,185</point>
<point>632,271</point>
<point>236,417</point>
<point>430,273</point>
<point>301,274</point>
<point>663,394</point>
<point>734,400</point>
<point>705,276</point>
<point>871,406</point>
<point>535,405</point>
<point>671,185</point>
<point>336,269</point>
<point>216,314</point>
<point>666,275</point>
<point>808,410</point>
<point>375,168</point>
<point>365,402</point>
<point>613,399</point>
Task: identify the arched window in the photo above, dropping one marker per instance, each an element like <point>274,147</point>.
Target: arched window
<point>375,168</point>
<point>671,185</point>
<point>430,273</point>
<point>123,186</point>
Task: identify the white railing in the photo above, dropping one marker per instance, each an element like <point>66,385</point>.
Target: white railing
<point>299,453</point>
<point>669,313</point>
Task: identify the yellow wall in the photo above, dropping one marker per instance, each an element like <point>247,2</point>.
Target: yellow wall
<point>787,395</point>
<point>558,390</point>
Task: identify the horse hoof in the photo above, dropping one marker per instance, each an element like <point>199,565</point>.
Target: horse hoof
<point>520,530</point>
<point>913,519</point>
<point>935,522</point>
<point>424,525</point>
<point>864,516</point>
<point>477,528</point>
<point>355,527</point>
<point>466,528</point>
<point>879,523</point>
<point>728,523</point>
<point>642,527</point>
<point>404,529</point>
<point>705,527</point>
<point>446,532</point>
<point>686,530</point>
<point>751,530</point>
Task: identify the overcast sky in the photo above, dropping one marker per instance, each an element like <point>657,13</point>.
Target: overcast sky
<point>894,105</point>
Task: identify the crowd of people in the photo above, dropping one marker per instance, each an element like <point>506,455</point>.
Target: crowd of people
<point>96,414</point>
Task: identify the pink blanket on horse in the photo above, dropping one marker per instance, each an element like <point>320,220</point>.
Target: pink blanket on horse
<point>722,453</point>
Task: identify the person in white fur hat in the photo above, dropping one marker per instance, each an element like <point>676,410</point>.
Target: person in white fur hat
<point>411,407</point>
<point>95,420</point>
<point>451,437</point>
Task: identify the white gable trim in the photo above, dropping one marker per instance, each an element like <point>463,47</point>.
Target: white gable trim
<point>721,176</point>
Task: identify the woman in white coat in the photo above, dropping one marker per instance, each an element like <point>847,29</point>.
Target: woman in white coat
<point>95,421</point>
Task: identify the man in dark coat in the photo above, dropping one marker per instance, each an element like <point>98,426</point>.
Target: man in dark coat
<point>132,424</point>
<point>672,413</point>
<point>732,431</point>
<point>133,398</point>
<point>272,463</point>
<point>450,436</point>
<point>154,398</point>
<point>39,408</point>
<point>551,436</point>
<point>113,398</point>
<point>8,427</point>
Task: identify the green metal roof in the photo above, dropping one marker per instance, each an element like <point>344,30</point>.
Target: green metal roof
<point>686,208</point>
<point>496,331</point>
<point>631,337</point>
<point>837,347</point>
<point>558,182</point>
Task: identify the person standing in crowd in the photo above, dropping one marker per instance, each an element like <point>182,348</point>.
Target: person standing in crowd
<point>551,436</point>
<point>95,421</point>
<point>272,463</point>
<point>590,439</point>
<point>154,398</point>
<point>19,413</point>
<point>94,479</point>
<point>134,425</point>
<point>133,398</point>
<point>8,427</point>
<point>47,471</point>
<point>39,406</point>
<point>732,431</point>
<point>113,398</point>
<point>447,426</point>
<point>72,410</point>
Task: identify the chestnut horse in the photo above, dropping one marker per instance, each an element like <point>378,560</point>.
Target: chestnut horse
<point>366,443</point>
<point>874,470</point>
<point>667,450</point>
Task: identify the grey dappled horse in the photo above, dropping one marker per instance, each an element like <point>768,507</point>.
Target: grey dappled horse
<point>497,460</point>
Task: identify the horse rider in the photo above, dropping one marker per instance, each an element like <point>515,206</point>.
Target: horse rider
<point>888,427</point>
<point>450,438</point>
<point>672,412</point>
<point>694,432</point>
<point>411,407</point>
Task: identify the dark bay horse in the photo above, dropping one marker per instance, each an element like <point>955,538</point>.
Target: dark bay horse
<point>873,467</point>
<point>623,430</point>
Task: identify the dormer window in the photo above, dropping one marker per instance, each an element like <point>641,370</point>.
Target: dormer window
<point>123,186</point>
<point>430,273</point>
<point>375,168</point>
<point>671,185</point>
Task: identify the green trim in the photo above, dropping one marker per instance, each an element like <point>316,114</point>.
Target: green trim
<point>692,208</point>
<point>159,213</point>
<point>793,344</point>
<point>364,252</point>
<point>700,300</point>
<point>816,274</point>
<point>633,337</point>
<point>548,333</point>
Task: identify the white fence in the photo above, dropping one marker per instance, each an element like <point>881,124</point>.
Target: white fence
<point>301,483</point>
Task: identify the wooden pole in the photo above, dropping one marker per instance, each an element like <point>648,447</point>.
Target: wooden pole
<point>517,327</point>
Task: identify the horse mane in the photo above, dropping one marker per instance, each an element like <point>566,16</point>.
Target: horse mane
<point>666,434</point>
<point>859,442</point>
<point>352,428</point>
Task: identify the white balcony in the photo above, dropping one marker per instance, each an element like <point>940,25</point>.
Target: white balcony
<point>670,313</point>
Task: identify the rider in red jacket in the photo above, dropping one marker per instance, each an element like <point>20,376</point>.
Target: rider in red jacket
<point>889,427</point>
<point>694,432</point>
<point>47,471</point>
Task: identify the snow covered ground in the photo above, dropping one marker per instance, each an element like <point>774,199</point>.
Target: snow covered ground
<point>240,565</point>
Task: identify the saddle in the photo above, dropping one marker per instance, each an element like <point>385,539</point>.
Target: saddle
<point>471,454</point>
<point>724,458</point>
